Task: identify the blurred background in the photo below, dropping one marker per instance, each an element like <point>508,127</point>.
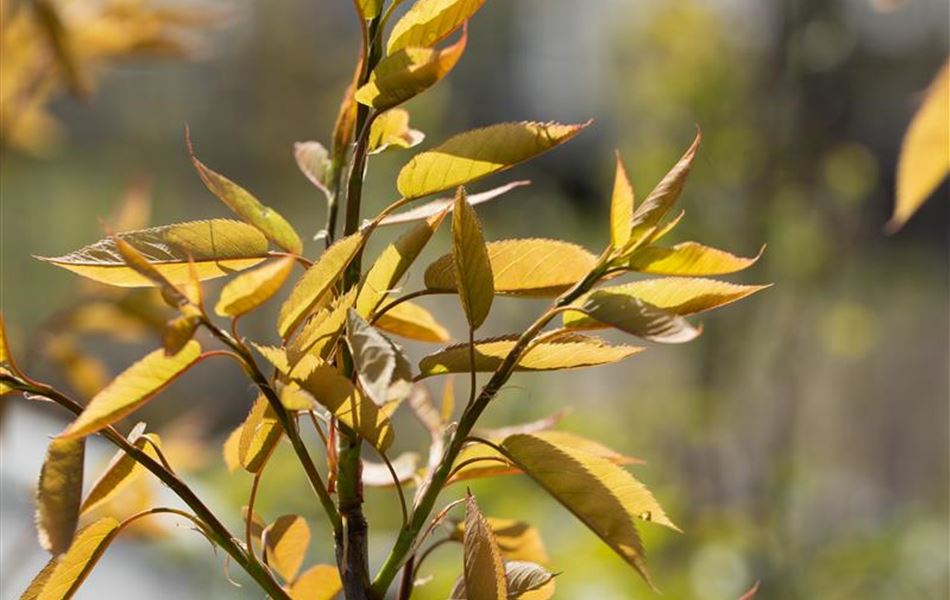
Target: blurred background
<point>801,441</point>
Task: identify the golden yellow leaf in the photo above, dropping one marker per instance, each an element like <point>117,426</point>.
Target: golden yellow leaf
<point>121,471</point>
<point>249,208</point>
<point>318,335</point>
<point>231,449</point>
<point>85,373</point>
<point>472,268</point>
<point>107,318</point>
<point>430,209</point>
<point>294,398</point>
<point>523,267</point>
<point>484,571</point>
<point>316,282</point>
<point>599,493</point>
<point>391,130</point>
<point>72,568</point>
<point>412,321</point>
<point>393,263</point>
<point>218,247</point>
<point>249,290</point>
<point>567,352</point>
<point>428,22</point>
<point>369,9</point>
<point>517,540</point>
<point>688,258</point>
<point>320,582</point>
<point>260,435</point>
<point>407,73</point>
<point>642,319</point>
<point>59,493</point>
<point>178,331</point>
<point>478,153</point>
<point>285,542</point>
<point>132,388</point>
<point>621,207</point>
<point>39,581</point>
<point>545,592</point>
<point>925,152</point>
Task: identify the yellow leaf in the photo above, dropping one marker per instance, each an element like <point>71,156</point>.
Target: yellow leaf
<point>567,352</point>
<point>428,22</point>
<point>285,542</point>
<point>369,9</point>
<point>132,388</point>
<point>178,332</point>
<point>321,582</point>
<point>141,265</point>
<point>231,449</point>
<point>525,267</point>
<point>601,494</point>
<point>314,162</point>
<point>318,335</point>
<point>407,73</point>
<point>59,493</point>
<point>925,152</point>
<point>406,465</point>
<point>525,580</point>
<point>85,373</point>
<point>7,363</point>
<point>249,290</point>
<point>430,209</point>
<point>393,263</point>
<point>545,592</point>
<point>391,129</point>
<point>621,208</point>
<point>517,540</point>
<point>412,321</point>
<point>36,586</point>
<point>479,153</point>
<point>106,318</point>
<point>260,434</point>
<point>688,258</point>
<point>472,268</point>
<point>642,319</point>
<point>338,395</point>
<point>484,568</point>
<point>249,208</point>
<point>218,247</point>
<point>121,471</point>
<point>72,568</point>
<point>294,398</point>
<point>316,282</point>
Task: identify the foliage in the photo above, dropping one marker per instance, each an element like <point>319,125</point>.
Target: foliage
<point>336,366</point>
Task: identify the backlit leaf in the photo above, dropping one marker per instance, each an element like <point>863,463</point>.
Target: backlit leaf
<point>621,207</point>
<point>478,153</point>
<point>484,567</point>
<point>376,359</point>
<point>428,22</point>
<point>316,282</point>
<point>132,388</point>
<point>318,334</point>
<point>472,268</point>
<point>524,577</point>
<point>412,321</point>
<point>524,267</point>
<point>72,568</point>
<point>218,247</point>
<point>369,9</point>
<point>338,395</point>
<point>568,352</point>
<point>231,449</point>
<point>249,208</point>
<point>642,319</point>
<point>285,542</point>
<point>121,471</point>
<point>391,130</point>
<point>86,374</point>
<point>314,162</point>
<point>925,152</point>
<point>178,332</point>
<point>517,540</point>
<point>430,209</point>
<point>601,494</point>
<point>377,474</point>
<point>260,435</point>
<point>249,290</point>
<point>688,258</point>
<point>321,582</point>
<point>59,494</point>
<point>407,73</point>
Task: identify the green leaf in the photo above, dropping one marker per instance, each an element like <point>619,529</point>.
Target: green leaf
<point>249,290</point>
<point>132,388</point>
<point>599,493</point>
<point>473,270</point>
<point>412,321</point>
<point>59,493</point>
<point>218,247</point>
<point>484,572</point>
<point>688,258</point>
<point>249,208</point>
<point>318,335</point>
<point>260,434</point>
<point>621,208</point>
<point>478,153</point>
<point>430,209</point>
<point>391,130</point>
<point>523,267</point>
<point>285,543</point>
<point>316,282</point>
<point>407,73</point>
<point>379,363</point>
<point>642,319</point>
<point>121,471</point>
<point>569,351</point>
<point>321,582</point>
<point>70,570</point>
<point>428,22</point>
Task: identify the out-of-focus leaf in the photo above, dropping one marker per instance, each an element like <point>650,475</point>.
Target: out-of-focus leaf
<point>484,572</point>
<point>751,592</point>
<point>338,395</point>
<point>85,373</point>
<point>121,471</point>
<point>377,474</point>
<point>260,435</point>
<point>523,267</point>
<point>925,152</point>
<point>517,540</point>
<point>135,207</point>
<point>320,582</point>
<point>179,332</point>
<point>472,266</point>
<point>407,73</point>
<point>107,318</point>
<point>218,247</point>
<point>688,258</point>
<point>544,424</point>
<point>314,162</point>
<point>621,207</point>
<point>316,337</point>
<point>602,495</point>
<point>478,153</point>
<point>642,319</point>
<point>249,208</point>
<point>393,263</point>
<point>412,321</point>
<point>568,352</point>
<point>7,364</point>
<point>59,494</point>
<point>430,209</point>
<point>316,282</point>
<point>249,290</point>
<point>71,569</point>
<point>285,543</point>
<point>391,130</point>
<point>428,22</point>
<point>132,388</point>
<point>231,449</point>
<point>63,45</point>
<point>378,361</point>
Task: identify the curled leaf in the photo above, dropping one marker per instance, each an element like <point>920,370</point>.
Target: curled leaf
<point>430,209</point>
<point>378,361</point>
<point>391,130</point>
<point>59,494</point>
<point>472,267</point>
<point>642,319</point>
<point>314,162</point>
